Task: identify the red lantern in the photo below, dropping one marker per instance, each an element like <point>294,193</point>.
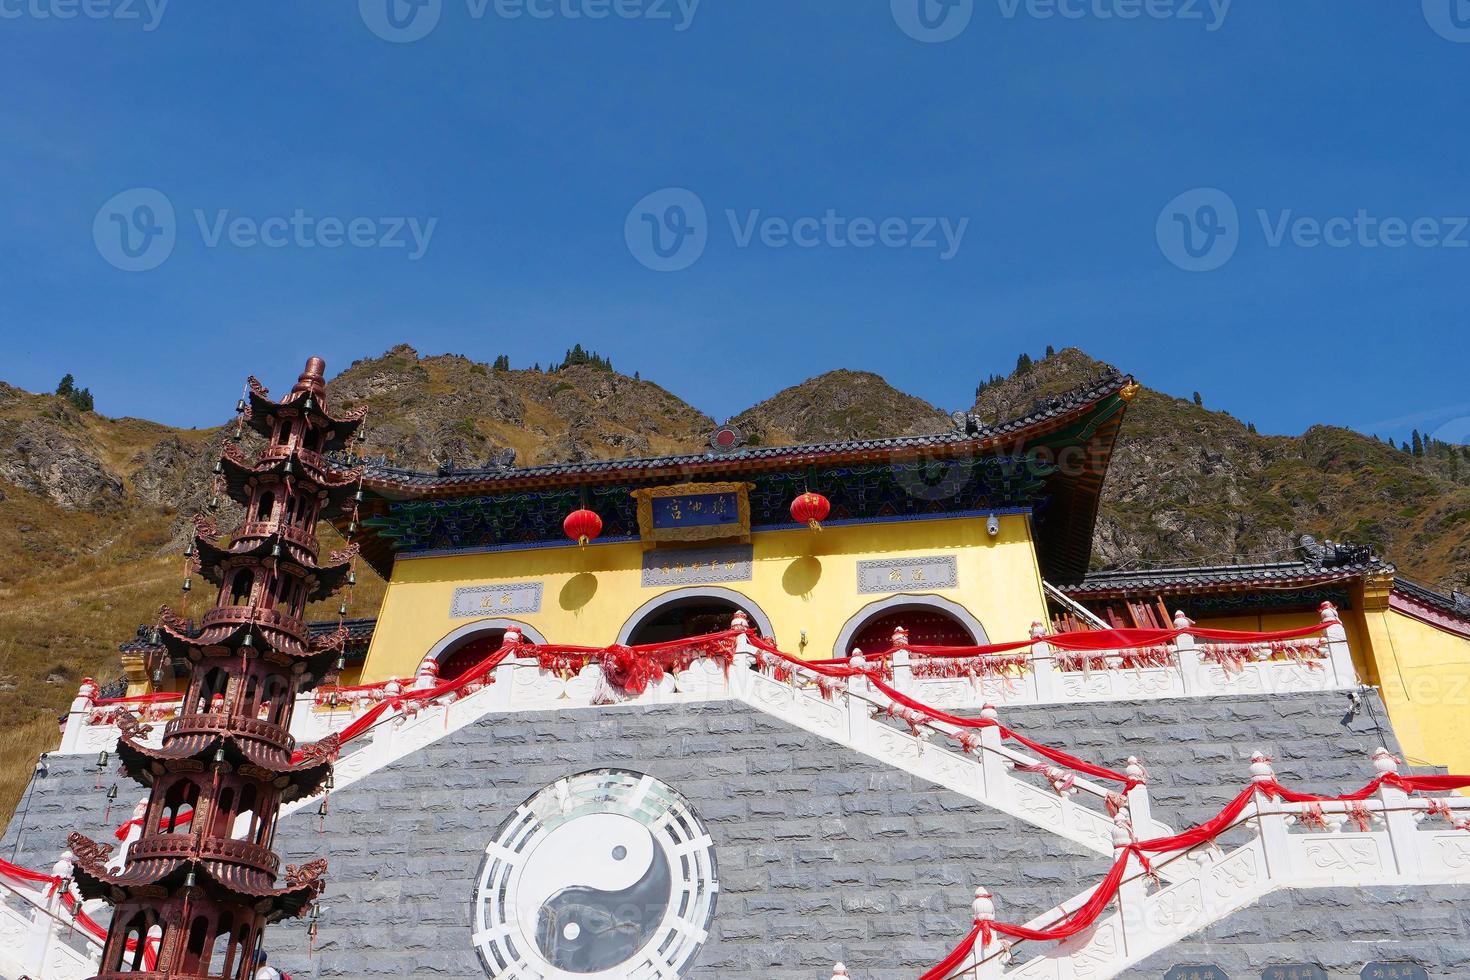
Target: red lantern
<point>582,526</point>
<point>811,509</point>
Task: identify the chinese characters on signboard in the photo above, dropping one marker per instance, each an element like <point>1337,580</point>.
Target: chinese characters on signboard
<point>1394,971</point>
<point>1196,973</point>
<point>694,512</point>
<point>696,566</point>
<point>504,599</point>
<point>907,574</point>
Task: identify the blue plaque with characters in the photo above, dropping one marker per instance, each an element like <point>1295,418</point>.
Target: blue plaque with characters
<point>694,512</point>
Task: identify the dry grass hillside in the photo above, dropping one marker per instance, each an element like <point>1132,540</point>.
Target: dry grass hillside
<point>93,510</point>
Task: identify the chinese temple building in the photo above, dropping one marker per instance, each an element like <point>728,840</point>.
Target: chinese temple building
<point>763,712</point>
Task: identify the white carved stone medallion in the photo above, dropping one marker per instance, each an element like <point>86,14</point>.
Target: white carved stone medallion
<point>607,874</point>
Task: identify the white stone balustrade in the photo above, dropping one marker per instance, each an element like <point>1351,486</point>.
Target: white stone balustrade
<point>1401,847</point>
<point>38,937</point>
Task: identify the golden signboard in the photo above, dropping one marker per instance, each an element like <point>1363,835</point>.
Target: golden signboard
<point>694,512</point>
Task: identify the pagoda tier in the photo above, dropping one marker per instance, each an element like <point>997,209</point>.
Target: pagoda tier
<point>320,489</point>
<point>194,740</point>
<point>309,398</point>
<point>220,869</point>
<point>254,543</point>
<point>200,883</point>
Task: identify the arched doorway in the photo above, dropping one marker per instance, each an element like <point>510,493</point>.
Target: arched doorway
<point>930,621</point>
<point>473,643</point>
<point>689,612</point>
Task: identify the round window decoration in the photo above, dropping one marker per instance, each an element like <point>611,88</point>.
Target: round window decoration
<point>607,874</point>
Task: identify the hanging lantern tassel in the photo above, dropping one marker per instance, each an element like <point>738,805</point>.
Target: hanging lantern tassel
<point>811,509</point>
<point>582,526</point>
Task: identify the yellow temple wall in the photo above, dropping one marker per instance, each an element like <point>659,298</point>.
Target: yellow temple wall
<point>1424,673</point>
<point>803,580</point>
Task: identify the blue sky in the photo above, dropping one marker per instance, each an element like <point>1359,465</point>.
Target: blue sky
<point>482,189</point>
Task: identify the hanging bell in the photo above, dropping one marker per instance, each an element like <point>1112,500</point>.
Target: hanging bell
<point>239,433</point>
<point>189,550</point>
<point>359,496</point>
<point>214,502</point>
<point>190,880</point>
<point>352,578</point>
<point>102,760</point>
<point>158,675</point>
<point>341,666</point>
<point>309,404</point>
<point>188,585</point>
<point>112,792</point>
<point>219,466</point>
<point>342,609</point>
<point>290,465</point>
<point>276,550</point>
<point>240,406</point>
<point>352,526</point>
<point>249,640</point>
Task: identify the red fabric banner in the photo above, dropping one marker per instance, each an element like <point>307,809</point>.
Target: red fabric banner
<point>157,698</point>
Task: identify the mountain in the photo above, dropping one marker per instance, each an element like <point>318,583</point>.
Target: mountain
<point>1191,485</point>
<point>837,406</point>
<point>94,511</point>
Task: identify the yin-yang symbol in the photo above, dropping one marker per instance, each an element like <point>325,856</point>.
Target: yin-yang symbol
<point>620,894</point>
<point>606,875</point>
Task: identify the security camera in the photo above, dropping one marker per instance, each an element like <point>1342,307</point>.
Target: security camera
<point>992,526</point>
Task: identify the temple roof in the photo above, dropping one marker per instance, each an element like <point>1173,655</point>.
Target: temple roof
<point>1090,414</point>
<point>1219,578</point>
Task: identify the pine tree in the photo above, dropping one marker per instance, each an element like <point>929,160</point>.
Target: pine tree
<point>1418,443</point>
<point>1051,351</point>
<point>80,398</point>
<point>502,363</point>
<point>1199,400</point>
<point>1251,428</point>
<point>1023,365</point>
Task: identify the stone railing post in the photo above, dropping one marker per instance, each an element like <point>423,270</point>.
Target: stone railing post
<point>992,763</point>
<point>1272,820</point>
<point>1403,834</point>
<point>1133,892</point>
<point>902,661</point>
<point>76,717</point>
<point>1138,804</point>
<point>860,700</point>
<point>983,909</point>
<point>1044,673</point>
<point>135,830</point>
<point>1186,652</point>
<point>1338,652</point>
<point>839,972</point>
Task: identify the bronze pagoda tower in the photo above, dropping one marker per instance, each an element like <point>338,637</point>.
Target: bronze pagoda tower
<point>200,885</point>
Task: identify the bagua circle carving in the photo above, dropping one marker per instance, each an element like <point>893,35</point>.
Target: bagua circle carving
<point>606,874</point>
